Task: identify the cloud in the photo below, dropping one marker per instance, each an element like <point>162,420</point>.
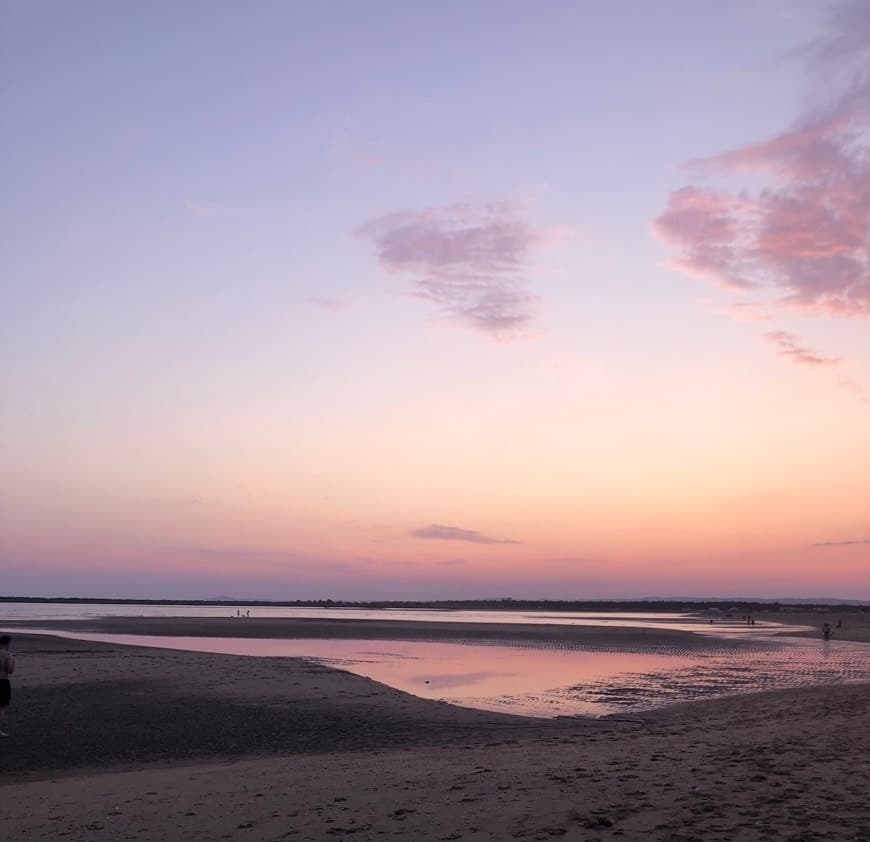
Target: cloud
<point>805,238</point>
<point>453,533</point>
<point>859,390</point>
<point>705,224</point>
<point>472,261</point>
<point>841,543</point>
<point>847,35</point>
<point>788,345</point>
<point>796,236</point>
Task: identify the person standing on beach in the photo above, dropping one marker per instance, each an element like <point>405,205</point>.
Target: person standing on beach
<point>7,667</point>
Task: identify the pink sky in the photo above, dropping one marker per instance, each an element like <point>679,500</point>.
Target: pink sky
<point>314,313</point>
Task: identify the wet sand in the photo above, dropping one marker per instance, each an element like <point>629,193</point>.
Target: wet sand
<point>133,743</point>
<point>855,622</point>
<point>855,627</point>
<point>82,704</point>
<point>352,629</point>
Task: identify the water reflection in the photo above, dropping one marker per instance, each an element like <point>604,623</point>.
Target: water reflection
<point>676,621</point>
<point>461,680</point>
<point>532,680</point>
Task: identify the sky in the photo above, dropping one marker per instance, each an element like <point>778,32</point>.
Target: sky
<point>472,299</point>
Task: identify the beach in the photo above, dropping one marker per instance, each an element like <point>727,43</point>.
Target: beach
<point>117,742</point>
<point>855,622</point>
<point>387,629</point>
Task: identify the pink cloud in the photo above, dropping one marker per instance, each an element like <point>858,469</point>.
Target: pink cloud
<point>472,261</point>
<point>807,237</point>
<point>788,345</point>
<point>705,225</point>
<point>801,240</point>
<point>800,153</point>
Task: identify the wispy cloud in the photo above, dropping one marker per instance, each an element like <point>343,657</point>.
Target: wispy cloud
<point>788,345</point>
<point>440,532</point>
<point>471,260</point>
<point>841,543</point>
<point>800,242</point>
<point>859,390</point>
<point>847,36</point>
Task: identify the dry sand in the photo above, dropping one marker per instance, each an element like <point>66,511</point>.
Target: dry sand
<point>119,743</point>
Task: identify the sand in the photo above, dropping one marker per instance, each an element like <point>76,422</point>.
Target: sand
<point>111,742</point>
<point>856,623</point>
<point>353,629</point>
<point>855,626</point>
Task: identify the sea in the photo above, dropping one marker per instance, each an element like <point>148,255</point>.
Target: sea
<point>530,678</point>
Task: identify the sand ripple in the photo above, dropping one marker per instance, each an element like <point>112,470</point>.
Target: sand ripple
<point>772,666</point>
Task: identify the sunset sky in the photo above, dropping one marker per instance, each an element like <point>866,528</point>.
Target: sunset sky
<point>435,300</point>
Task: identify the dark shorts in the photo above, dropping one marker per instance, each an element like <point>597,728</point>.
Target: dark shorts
<point>5,692</point>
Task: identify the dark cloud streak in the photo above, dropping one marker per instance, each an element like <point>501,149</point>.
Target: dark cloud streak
<point>440,532</point>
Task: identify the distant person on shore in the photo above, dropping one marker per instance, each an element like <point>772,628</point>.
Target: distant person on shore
<point>826,631</point>
<point>7,667</point>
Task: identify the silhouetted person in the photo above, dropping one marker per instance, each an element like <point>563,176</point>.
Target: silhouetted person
<point>7,667</point>
<point>839,624</point>
<point>826,631</point>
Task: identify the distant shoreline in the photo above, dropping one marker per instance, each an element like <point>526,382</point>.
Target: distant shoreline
<point>744,604</point>
<point>797,621</point>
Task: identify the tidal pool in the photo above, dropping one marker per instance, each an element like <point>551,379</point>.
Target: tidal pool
<point>546,681</point>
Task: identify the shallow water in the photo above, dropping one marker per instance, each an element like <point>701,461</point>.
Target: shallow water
<point>675,621</point>
<point>561,679</point>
